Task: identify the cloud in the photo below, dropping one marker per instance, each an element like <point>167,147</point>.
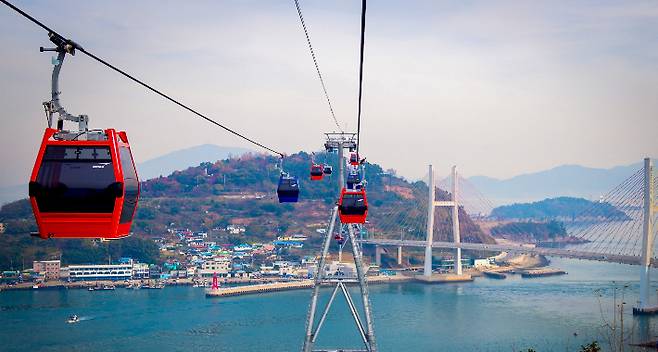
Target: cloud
<point>499,88</point>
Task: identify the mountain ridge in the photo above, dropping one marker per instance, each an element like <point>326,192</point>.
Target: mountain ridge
<point>564,180</point>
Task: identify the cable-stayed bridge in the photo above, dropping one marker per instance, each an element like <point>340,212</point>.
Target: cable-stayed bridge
<point>617,228</point>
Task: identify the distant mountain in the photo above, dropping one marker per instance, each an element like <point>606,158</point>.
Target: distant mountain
<point>184,158</point>
<point>566,180</point>
<point>163,165</point>
<point>565,208</point>
<point>12,193</point>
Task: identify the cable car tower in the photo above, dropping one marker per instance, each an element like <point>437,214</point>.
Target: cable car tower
<point>338,143</point>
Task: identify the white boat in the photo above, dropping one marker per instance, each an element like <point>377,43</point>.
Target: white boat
<point>73,319</point>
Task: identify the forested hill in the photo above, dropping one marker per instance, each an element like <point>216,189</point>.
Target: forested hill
<point>566,208</point>
<point>241,191</point>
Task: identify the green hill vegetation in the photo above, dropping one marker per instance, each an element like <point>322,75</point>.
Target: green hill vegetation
<point>566,208</point>
<point>551,230</point>
<point>239,191</point>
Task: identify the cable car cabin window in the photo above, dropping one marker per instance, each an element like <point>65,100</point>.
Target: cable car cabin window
<point>353,204</point>
<point>76,179</point>
<point>130,185</point>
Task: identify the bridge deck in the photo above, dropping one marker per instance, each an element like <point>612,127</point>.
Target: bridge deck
<point>555,252</point>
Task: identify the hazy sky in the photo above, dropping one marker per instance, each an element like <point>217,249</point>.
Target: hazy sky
<point>498,87</point>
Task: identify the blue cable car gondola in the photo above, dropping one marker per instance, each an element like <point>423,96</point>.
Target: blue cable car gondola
<point>328,170</point>
<point>353,178</point>
<point>288,190</point>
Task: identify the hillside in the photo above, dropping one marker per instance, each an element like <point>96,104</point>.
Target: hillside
<point>242,191</point>
<point>184,158</point>
<point>566,208</point>
<point>530,231</point>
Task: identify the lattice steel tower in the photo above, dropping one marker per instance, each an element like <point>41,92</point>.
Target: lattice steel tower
<point>338,142</point>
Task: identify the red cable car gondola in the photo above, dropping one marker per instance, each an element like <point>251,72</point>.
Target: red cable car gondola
<point>317,171</point>
<point>354,159</point>
<point>353,206</point>
<point>84,188</point>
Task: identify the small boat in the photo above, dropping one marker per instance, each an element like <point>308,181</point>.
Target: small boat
<point>35,286</point>
<point>154,286</point>
<point>108,288</point>
<point>494,275</point>
<point>90,289</point>
<point>73,319</point>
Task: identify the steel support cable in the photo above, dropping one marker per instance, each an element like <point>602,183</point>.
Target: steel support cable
<point>623,234</point>
<point>317,67</point>
<point>610,198</point>
<point>513,226</point>
<point>596,232</point>
<point>610,228</point>
<point>655,221</point>
<point>363,33</point>
<point>635,234</point>
<point>612,194</point>
<point>389,222</point>
<point>138,81</point>
<point>621,199</point>
<point>629,229</point>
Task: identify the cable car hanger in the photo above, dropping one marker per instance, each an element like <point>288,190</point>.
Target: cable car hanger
<point>84,183</point>
<point>79,48</point>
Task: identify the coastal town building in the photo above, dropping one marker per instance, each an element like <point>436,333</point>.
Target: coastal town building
<point>48,269</point>
<point>338,269</point>
<point>220,266</point>
<point>100,272</point>
<point>140,271</point>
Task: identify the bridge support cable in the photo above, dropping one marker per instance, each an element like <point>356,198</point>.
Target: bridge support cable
<point>609,230</point>
<point>617,197</point>
<point>623,198</point>
<point>608,235</point>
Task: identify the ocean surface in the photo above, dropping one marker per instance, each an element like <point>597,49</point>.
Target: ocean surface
<point>548,314</point>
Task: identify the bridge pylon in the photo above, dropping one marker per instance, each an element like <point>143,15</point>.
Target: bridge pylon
<point>456,236</point>
<point>647,240</point>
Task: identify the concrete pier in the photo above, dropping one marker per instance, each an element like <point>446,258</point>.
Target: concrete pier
<point>261,288</point>
<point>444,278</point>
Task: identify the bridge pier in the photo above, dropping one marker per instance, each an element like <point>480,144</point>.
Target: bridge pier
<point>399,255</point>
<point>378,255</point>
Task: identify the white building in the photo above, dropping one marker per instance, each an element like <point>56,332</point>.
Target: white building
<point>221,266</point>
<point>235,229</point>
<point>140,271</point>
<point>342,270</point>
<point>100,272</point>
